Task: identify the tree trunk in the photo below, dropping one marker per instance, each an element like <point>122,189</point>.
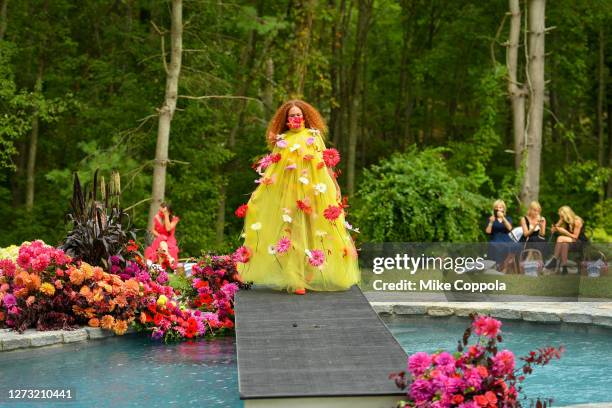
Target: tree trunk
<point>268,93</point>
<point>363,22</point>
<point>3,19</point>
<point>601,98</point>
<point>516,91</point>
<point>246,61</point>
<point>535,70</point>
<point>337,40</point>
<point>609,193</point>
<point>403,106</point>
<point>341,124</point>
<point>32,148</point>
<point>220,225</point>
<point>297,74</point>
<point>166,112</point>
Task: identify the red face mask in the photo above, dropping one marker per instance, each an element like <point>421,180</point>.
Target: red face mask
<point>295,122</point>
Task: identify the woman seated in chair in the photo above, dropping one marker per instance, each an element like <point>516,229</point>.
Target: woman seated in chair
<point>500,244</point>
<point>534,227</point>
<point>570,230</point>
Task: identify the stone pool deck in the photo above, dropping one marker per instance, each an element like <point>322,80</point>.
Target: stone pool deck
<point>593,313</point>
<point>11,340</point>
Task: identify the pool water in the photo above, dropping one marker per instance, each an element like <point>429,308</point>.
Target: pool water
<point>127,371</point>
<point>582,375</point>
<point>134,371</point>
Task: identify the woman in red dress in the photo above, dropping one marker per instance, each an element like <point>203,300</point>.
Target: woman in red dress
<point>164,246</point>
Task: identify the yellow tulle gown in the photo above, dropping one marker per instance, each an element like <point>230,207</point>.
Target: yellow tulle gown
<point>294,232</point>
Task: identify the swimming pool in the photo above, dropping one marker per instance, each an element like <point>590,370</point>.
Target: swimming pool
<point>582,375</point>
<point>133,371</point>
<point>127,371</point>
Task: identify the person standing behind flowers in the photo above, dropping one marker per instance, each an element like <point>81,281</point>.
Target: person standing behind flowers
<point>570,230</point>
<point>164,246</point>
<point>295,233</point>
<point>498,227</point>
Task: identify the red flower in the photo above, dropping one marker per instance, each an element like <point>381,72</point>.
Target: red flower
<point>275,158</point>
<point>157,319</point>
<point>482,371</point>
<point>332,212</point>
<point>242,255</point>
<point>488,400</point>
<point>132,246</point>
<point>192,324</point>
<point>331,157</point>
<point>486,326</point>
<point>201,284</point>
<point>190,333</point>
<point>304,206</point>
<point>241,211</point>
<point>206,299</point>
<point>457,399</point>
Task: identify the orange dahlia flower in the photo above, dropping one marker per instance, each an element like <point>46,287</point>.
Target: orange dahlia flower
<point>87,270</point>
<point>120,327</point>
<point>107,322</point>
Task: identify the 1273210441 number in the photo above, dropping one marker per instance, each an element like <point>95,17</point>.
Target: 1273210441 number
<point>39,394</point>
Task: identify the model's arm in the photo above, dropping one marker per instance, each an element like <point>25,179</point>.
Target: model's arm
<point>169,225</point>
<point>526,231</point>
<point>542,231</point>
<point>489,228</point>
<point>507,223</point>
<point>574,235</point>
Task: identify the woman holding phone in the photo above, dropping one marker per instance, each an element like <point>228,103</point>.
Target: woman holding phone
<point>498,227</point>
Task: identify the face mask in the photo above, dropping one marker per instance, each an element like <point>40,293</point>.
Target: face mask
<point>295,122</point>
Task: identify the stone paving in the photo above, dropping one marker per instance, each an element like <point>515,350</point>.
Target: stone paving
<point>11,340</point>
<point>594,313</point>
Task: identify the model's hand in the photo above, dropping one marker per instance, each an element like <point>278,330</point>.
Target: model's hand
<point>492,219</point>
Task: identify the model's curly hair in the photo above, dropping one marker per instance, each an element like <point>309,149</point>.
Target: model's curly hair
<point>278,123</point>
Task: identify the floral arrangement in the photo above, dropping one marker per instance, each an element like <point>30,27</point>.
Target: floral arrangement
<point>46,289</point>
<point>215,281</point>
<point>28,295</point>
<point>165,317</point>
<point>476,376</point>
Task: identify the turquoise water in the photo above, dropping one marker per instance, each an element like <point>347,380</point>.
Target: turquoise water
<point>581,375</point>
<point>133,371</point>
<point>127,371</point>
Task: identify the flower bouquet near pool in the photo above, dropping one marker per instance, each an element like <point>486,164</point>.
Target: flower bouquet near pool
<point>477,375</point>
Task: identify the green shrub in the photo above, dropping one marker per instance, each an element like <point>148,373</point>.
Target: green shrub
<point>412,197</point>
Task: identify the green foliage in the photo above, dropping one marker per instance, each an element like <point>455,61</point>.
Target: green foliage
<point>579,185</point>
<point>413,197</point>
<point>103,82</point>
<point>99,227</point>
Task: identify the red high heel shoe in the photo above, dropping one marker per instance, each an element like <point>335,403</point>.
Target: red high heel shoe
<point>300,291</point>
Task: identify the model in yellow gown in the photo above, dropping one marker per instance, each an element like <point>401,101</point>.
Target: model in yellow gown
<point>294,232</point>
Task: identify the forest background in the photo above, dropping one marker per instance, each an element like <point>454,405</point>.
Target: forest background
<point>437,108</point>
